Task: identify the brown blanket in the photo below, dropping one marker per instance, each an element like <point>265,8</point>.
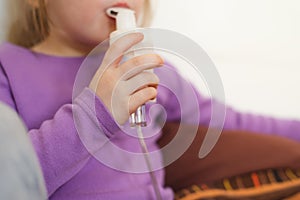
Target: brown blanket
<point>236,153</point>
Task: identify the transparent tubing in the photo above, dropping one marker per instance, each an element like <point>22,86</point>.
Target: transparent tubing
<point>148,162</point>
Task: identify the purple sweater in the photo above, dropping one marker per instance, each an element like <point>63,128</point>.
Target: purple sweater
<point>39,87</point>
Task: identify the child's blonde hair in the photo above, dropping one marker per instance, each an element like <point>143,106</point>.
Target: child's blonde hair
<point>29,23</point>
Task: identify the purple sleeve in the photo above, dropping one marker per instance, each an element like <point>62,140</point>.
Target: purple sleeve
<point>234,120</point>
<point>57,143</point>
<point>59,149</point>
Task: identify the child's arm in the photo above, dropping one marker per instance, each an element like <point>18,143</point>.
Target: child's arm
<point>253,122</point>
<point>57,142</point>
<point>234,120</point>
<point>54,142</point>
<point>64,143</point>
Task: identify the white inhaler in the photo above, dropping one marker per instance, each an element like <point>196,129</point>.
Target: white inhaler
<point>126,21</point>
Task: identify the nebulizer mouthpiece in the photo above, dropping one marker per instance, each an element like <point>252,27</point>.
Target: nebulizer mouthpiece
<point>125,18</point>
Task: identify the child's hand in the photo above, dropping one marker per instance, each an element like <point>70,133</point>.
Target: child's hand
<point>124,87</point>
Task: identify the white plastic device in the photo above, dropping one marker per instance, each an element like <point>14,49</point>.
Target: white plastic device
<point>126,21</point>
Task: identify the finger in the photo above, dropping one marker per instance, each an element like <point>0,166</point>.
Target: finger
<point>120,46</point>
<point>142,80</point>
<point>138,64</point>
<point>140,97</point>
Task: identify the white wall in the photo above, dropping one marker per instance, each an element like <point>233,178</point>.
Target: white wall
<point>255,45</point>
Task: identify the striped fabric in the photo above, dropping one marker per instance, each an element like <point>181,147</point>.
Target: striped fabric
<point>268,184</point>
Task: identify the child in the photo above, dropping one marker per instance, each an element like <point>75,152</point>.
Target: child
<point>37,74</point>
